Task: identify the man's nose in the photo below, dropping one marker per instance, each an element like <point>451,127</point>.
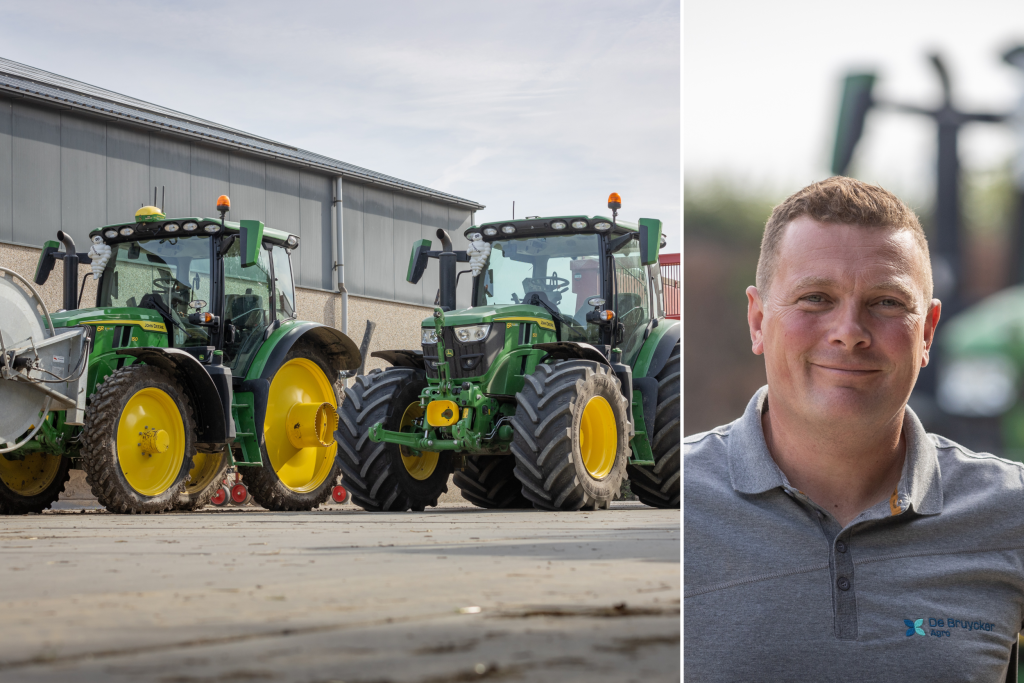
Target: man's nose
<point>848,327</point>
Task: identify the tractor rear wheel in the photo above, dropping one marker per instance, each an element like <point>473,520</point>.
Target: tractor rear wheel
<point>489,481</point>
<point>296,476</point>
<point>138,441</point>
<point>204,480</point>
<point>31,482</point>
<point>571,440</point>
<point>657,485</point>
<point>385,476</point>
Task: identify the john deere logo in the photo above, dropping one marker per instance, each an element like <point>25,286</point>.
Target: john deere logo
<point>449,353</point>
<point>914,627</point>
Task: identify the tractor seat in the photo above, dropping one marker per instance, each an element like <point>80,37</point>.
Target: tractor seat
<point>245,311</point>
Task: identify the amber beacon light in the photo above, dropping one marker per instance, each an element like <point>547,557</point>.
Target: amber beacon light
<point>223,203</point>
<point>614,201</point>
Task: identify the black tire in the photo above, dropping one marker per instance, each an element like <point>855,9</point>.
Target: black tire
<point>489,481</point>
<point>657,485</point>
<point>99,451</point>
<point>197,497</point>
<point>546,444</point>
<point>263,483</point>
<point>374,473</point>
<point>35,487</point>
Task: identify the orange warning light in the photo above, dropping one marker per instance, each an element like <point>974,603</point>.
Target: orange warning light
<point>223,203</point>
<point>614,201</point>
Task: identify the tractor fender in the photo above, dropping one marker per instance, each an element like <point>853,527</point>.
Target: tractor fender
<point>402,358</point>
<point>211,423</point>
<point>564,350</point>
<point>341,350</point>
<point>663,350</point>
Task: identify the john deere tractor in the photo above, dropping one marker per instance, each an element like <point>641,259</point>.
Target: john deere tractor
<point>191,361</point>
<point>560,380</point>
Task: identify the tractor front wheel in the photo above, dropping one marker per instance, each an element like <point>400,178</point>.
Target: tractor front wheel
<point>138,441</point>
<point>571,439</point>
<point>386,476</point>
<point>299,469</point>
<point>31,482</point>
<point>204,480</point>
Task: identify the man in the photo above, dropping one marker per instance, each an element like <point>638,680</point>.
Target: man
<point>828,537</point>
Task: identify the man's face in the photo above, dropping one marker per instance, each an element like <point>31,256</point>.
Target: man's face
<point>844,328</point>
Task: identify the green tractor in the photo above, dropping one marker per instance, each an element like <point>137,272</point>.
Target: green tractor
<point>560,380</point>
<point>191,361</point>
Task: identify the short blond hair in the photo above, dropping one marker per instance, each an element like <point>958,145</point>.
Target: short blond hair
<point>839,200</point>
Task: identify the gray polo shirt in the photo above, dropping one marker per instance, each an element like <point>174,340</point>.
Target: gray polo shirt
<point>927,586</point>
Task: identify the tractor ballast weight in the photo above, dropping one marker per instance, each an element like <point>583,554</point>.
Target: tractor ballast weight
<point>544,392</point>
<point>177,394</point>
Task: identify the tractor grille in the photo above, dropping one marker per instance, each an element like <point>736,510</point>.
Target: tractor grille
<point>468,359</point>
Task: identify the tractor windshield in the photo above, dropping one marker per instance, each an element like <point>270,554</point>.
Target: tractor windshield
<point>164,275</point>
<point>564,270</point>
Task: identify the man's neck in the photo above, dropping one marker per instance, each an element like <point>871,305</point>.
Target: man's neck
<point>841,468</point>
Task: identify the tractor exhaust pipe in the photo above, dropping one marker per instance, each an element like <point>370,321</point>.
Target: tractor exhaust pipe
<point>447,278</point>
<point>70,271</point>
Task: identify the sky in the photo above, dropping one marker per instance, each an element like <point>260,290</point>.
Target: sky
<point>551,105</point>
<point>762,87</point>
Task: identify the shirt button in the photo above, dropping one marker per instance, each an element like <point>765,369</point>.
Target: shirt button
<point>840,546</point>
<point>843,583</point>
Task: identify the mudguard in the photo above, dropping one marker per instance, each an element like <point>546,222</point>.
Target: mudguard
<point>211,423</point>
<point>663,349</point>
<point>564,350</point>
<point>402,358</point>
<point>342,351</point>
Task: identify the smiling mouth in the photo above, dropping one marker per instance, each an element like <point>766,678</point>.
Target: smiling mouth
<point>850,372</point>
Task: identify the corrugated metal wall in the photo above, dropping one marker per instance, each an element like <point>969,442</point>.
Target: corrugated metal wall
<point>380,228</point>
<point>61,171</point>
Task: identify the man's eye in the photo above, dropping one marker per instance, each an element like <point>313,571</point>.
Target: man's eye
<point>890,303</point>
<point>814,298</point>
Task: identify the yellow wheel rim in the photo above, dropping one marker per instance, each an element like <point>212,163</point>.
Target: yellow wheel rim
<point>205,467</point>
<point>300,469</point>
<point>599,438</point>
<point>150,441</point>
<point>30,476</point>
<point>419,464</point>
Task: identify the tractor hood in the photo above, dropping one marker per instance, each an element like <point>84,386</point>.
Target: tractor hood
<point>486,314</point>
<point>143,317</point>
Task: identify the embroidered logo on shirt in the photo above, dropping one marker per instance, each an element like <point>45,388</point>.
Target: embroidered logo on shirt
<point>914,627</point>
<point>944,628</point>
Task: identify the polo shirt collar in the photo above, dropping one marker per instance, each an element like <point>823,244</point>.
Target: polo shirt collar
<point>753,470</point>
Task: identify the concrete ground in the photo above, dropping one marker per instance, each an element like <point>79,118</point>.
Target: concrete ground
<point>241,594</point>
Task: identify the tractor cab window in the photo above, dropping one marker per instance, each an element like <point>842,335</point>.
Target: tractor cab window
<point>284,288</point>
<point>558,273</point>
<point>246,307</point>
<point>632,299</point>
<point>164,275</point>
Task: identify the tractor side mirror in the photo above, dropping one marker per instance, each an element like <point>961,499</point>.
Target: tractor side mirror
<point>650,240</point>
<point>252,237</point>
<point>46,260</point>
<point>418,261</point>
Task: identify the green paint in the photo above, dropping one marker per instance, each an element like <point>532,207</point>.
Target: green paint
<point>410,274</point>
<point>243,411</point>
<point>49,244</point>
<point>259,361</point>
<point>641,442</point>
<point>650,240</point>
<point>251,233</point>
<point>643,360</point>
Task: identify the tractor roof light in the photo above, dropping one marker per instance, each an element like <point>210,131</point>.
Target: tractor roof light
<point>558,225</point>
<point>110,234</point>
<point>602,225</point>
<point>293,241</point>
<point>171,227</point>
<point>508,229</point>
<point>490,232</point>
<point>127,231</point>
<point>579,225</point>
<point>211,228</point>
<point>190,226</point>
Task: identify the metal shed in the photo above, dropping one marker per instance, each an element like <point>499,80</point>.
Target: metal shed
<point>74,156</point>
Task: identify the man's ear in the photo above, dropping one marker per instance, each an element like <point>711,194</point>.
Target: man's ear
<point>931,321</point>
<point>755,318</point>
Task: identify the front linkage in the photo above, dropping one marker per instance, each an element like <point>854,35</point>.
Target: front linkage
<point>442,428</point>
